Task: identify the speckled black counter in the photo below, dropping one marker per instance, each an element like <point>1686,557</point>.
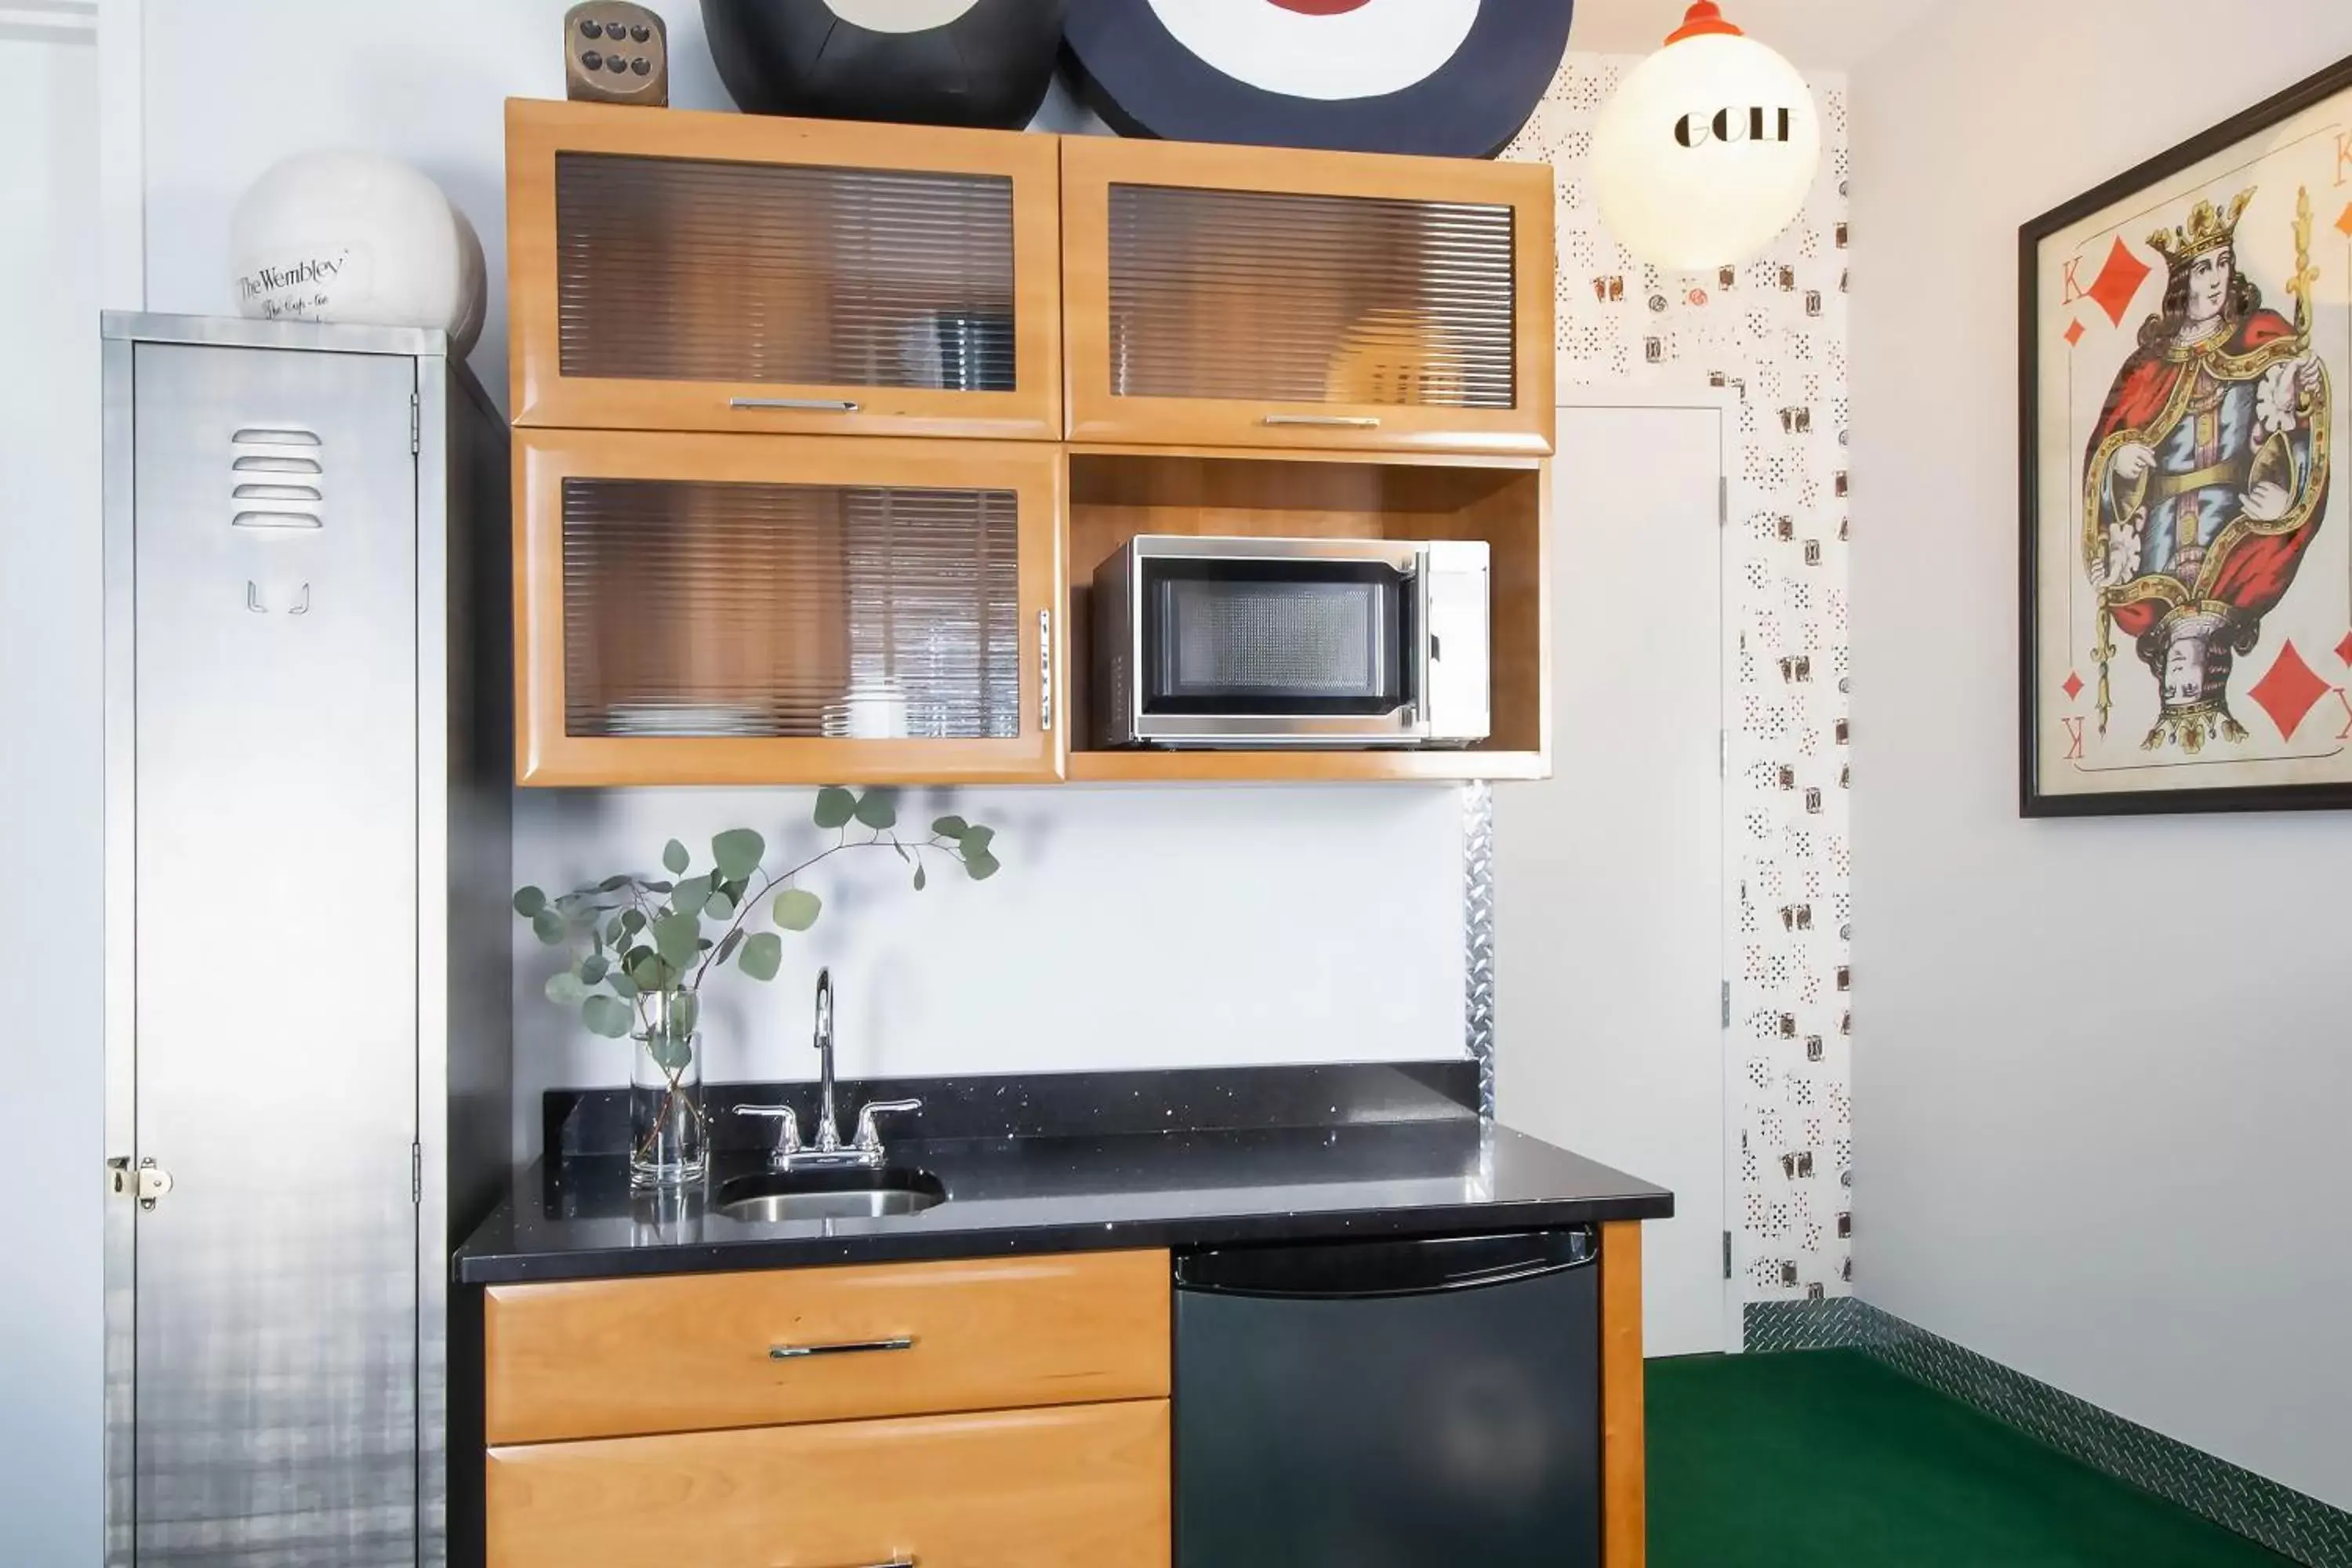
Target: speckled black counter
<point>578,1219</point>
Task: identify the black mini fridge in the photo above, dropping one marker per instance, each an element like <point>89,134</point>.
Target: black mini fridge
<point>1405,1403</point>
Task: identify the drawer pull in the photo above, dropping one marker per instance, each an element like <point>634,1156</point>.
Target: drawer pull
<point>807,404</point>
<point>847,1347</point>
<point>1332,421</point>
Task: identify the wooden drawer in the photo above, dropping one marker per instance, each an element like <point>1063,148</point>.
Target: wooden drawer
<point>616,1357</point>
<point>1079,1486</point>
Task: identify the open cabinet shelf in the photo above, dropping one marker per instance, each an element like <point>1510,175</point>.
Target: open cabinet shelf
<point>1117,492</point>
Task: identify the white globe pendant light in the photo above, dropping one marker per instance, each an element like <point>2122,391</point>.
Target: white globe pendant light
<point>1707,150</point>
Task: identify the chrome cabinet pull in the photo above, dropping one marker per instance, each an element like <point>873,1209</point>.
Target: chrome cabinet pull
<point>1046,671</point>
<point>1329,421</point>
<point>807,404</point>
<point>844,1347</point>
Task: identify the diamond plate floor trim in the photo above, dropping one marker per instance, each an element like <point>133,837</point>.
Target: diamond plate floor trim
<point>2287,1520</point>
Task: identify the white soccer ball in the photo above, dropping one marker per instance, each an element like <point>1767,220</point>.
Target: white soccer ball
<point>357,237</point>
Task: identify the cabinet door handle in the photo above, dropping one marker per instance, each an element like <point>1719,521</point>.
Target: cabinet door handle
<point>807,405</point>
<point>844,1347</point>
<point>1046,671</point>
<point>1329,421</point>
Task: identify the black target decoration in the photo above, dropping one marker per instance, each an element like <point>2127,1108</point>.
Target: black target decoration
<point>1448,78</point>
<point>922,62</point>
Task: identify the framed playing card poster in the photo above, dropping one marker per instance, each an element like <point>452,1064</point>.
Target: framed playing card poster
<point>2187,553</point>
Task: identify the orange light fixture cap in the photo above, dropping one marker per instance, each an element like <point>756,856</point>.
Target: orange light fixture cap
<point>1705,19</point>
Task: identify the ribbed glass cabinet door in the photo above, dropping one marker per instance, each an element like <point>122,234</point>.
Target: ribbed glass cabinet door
<point>1371,301</point>
<point>734,272</point>
<point>708,609</point>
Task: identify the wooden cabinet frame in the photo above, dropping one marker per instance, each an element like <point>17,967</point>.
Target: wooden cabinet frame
<point>1091,165</point>
<point>542,396</point>
<point>546,754</point>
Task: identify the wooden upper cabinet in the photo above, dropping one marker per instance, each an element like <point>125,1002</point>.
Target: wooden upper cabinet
<point>670,270</point>
<point>748,609</point>
<point>1247,296</point>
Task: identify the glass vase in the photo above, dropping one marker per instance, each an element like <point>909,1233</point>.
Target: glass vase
<point>670,1135</point>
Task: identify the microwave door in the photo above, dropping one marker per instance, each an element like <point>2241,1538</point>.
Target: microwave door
<point>1274,650</point>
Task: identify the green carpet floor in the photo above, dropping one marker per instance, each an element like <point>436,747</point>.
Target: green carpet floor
<point>1828,1459</point>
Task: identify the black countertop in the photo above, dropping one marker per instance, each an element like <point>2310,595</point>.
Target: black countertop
<point>578,1219</point>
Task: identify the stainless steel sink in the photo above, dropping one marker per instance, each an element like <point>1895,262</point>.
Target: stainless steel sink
<point>775,1196</point>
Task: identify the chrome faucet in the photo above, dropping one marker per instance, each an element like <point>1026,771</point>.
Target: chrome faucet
<point>865,1151</point>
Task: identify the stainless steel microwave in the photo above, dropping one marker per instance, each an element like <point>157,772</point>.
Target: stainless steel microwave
<point>1230,642</point>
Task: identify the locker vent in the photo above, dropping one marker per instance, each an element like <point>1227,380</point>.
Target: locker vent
<point>277,475</point>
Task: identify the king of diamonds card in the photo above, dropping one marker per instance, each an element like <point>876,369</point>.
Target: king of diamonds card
<point>2187,559</point>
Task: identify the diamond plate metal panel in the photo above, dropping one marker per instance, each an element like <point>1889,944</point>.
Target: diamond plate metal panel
<point>1478,935</point>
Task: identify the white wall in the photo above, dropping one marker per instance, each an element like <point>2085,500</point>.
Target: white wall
<point>1175,927</point>
<point>51,834</point>
<point>2103,1149</point>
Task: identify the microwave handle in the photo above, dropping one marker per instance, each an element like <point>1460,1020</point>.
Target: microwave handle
<point>1422,606</point>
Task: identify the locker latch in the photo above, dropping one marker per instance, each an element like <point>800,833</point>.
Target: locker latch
<point>148,1182</point>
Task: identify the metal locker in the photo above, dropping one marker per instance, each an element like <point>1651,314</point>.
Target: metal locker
<point>306,828</point>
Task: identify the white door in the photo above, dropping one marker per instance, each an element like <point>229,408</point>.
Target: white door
<point>1609,897</point>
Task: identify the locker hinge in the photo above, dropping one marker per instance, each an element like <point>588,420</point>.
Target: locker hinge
<point>415,423</point>
<point>1727,1004</point>
<point>415,1173</point>
<point>1723,500</point>
<point>1726,1255</point>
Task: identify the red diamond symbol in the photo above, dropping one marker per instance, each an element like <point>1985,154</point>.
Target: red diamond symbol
<point>2073,687</point>
<point>2344,223</point>
<point>2288,691</point>
<point>2074,334</point>
<point>2117,281</point>
<point>2343,648</point>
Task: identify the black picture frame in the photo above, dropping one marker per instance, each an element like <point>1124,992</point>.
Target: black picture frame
<point>2032,801</point>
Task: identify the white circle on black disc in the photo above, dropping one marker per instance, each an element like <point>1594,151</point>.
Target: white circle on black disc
<point>1378,47</point>
<point>899,16</point>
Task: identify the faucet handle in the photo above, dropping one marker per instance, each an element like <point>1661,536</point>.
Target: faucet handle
<point>869,1136</point>
<point>789,1140</point>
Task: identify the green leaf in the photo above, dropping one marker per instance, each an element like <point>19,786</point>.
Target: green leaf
<point>594,968</point>
<point>631,922</point>
<point>950,826</point>
<point>796,908</point>
<point>615,884</point>
<point>738,851</point>
<point>671,1053</point>
<point>980,866</point>
<point>719,908</point>
<point>877,810</point>
<point>675,857</point>
<point>691,893</point>
<point>529,901</point>
<point>762,955</point>
<point>565,989</point>
<point>919,878</point>
<point>622,982</point>
<point>835,807</point>
<point>685,1013</point>
<point>606,1016</point>
<point>676,938</point>
<point>548,926</point>
<point>653,971</point>
<point>976,839</point>
<point>615,930</point>
<point>727,948</point>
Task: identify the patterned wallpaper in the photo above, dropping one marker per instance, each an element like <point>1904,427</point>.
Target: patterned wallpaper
<point>1772,333</point>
